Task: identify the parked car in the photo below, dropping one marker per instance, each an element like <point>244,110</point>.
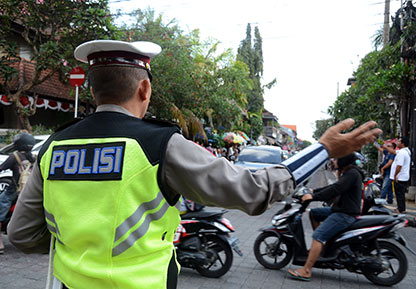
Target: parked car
<point>258,157</point>
<point>6,176</point>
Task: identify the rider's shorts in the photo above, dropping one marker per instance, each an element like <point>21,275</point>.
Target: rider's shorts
<point>332,224</point>
<point>6,201</point>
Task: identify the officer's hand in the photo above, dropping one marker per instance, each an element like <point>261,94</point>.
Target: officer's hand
<point>340,145</point>
<point>306,197</point>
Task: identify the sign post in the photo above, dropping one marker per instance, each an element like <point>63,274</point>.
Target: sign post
<point>76,78</point>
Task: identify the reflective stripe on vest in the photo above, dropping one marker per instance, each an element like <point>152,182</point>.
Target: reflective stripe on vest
<point>52,228</point>
<point>139,232</point>
<point>137,215</point>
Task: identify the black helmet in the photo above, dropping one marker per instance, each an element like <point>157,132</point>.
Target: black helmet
<point>24,142</point>
<point>351,159</point>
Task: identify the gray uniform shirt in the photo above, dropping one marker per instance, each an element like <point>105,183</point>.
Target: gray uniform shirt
<point>190,170</point>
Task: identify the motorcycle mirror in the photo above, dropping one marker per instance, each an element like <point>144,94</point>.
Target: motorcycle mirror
<point>299,192</point>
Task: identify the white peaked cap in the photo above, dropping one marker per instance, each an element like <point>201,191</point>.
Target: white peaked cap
<point>143,48</point>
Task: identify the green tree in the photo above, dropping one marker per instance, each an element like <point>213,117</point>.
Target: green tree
<point>380,81</point>
<point>304,144</point>
<point>193,81</point>
<point>252,56</point>
<point>321,126</point>
<point>253,60</point>
<point>51,29</point>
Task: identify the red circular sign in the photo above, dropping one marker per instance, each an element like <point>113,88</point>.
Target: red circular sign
<point>76,76</point>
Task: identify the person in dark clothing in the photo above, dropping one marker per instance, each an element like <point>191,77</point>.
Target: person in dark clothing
<point>23,143</point>
<point>347,193</point>
<point>385,166</point>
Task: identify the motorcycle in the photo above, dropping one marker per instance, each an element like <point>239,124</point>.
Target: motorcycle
<point>203,242</point>
<point>373,204</point>
<point>357,249</point>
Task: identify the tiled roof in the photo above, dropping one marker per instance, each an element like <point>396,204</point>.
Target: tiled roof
<point>291,126</point>
<point>51,87</point>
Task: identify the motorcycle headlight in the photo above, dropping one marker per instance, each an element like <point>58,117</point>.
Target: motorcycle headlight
<point>278,222</point>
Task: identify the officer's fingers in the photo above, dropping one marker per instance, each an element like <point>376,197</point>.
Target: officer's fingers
<point>363,128</point>
<point>343,125</point>
<point>371,135</point>
<point>367,137</point>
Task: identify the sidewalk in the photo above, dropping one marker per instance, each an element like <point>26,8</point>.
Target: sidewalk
<point>410,207</point>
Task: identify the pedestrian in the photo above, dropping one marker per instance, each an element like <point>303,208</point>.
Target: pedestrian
<point>385,167</point>
<point>231,153</point>
<point>109,185</point>
<point>209,148</point>
<point>218,152</point>
<point>328,221</point>
<point>23,143</point>
<point>400,173</point>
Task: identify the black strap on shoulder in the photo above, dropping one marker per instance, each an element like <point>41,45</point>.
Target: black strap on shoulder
<point>68,124</point>
<point>162,122</point>
<point>172,281</point>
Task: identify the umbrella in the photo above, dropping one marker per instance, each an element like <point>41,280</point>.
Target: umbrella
<point>244,135</point>
<point>228,137</point>
<point>231,137</point>
<point>238,139</point>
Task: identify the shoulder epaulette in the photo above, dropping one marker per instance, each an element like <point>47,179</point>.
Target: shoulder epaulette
<point>68,124</point>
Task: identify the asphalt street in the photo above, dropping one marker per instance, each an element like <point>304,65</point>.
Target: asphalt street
<point>18,270</point>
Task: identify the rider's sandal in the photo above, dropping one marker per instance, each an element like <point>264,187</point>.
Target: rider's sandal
<point>295,275</point>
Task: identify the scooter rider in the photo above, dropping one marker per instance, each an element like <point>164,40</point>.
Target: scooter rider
<point>347,192</point>
<point>23,144</point>
<point>109,184</point>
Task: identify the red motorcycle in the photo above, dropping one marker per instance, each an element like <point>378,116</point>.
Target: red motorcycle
<point>372,203</point>
<point>203,242</point>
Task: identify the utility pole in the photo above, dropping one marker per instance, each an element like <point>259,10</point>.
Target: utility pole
<point>337,89</point>
<point>386,28</point>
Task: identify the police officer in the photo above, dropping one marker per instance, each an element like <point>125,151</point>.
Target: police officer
<point>108,186</point>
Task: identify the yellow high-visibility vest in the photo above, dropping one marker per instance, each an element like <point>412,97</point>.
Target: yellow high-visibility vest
<point>113,225</point>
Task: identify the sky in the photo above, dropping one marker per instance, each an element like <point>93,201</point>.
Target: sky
<point>311,47</point>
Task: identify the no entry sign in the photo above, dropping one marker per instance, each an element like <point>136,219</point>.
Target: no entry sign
<point>76,76</point>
